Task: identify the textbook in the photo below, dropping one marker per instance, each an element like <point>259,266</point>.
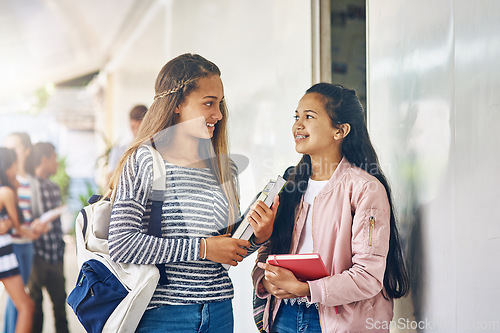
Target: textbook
<point>305,266</point>
<point>51,214</point>
<point>272,189</point>
<point>244,230</point>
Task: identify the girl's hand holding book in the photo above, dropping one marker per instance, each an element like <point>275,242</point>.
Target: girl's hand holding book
<point>275,291</point>
<point>261,218</point>
<point>224,249</point>
<point>282,283</point>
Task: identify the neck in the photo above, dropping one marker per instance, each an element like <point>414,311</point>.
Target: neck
<point>183,150</point>
<point>20,169</point>
<point>41,174</point>
<point>324,166</point>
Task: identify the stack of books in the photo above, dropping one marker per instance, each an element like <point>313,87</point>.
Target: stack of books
<point>244,230</point>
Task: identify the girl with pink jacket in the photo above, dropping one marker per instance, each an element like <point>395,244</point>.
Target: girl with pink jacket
<point>337,203</point>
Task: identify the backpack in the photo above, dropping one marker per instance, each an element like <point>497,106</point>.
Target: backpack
<point>110,296</point>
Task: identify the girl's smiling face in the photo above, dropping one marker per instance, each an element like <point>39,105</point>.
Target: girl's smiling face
<point>313,131</point>
<point>202,108</point>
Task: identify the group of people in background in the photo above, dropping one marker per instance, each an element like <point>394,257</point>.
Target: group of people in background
<point>31,247</point>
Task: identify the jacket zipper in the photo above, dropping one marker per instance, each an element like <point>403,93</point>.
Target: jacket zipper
<point>372,225</point>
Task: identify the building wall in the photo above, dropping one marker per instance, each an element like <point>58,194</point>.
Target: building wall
<point>433,110</point>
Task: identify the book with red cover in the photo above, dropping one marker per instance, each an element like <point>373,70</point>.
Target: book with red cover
<point>305,266</point>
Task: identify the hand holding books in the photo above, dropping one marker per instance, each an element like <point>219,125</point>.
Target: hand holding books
<point>51,214</point>
<point>282,283</point>
<point>285,274</point>
<point>43,224</point>
<point>224,249</point>
<point>261,218</point>
<point>267,198</point>
<point>305,266</point>
<point>258,219</point>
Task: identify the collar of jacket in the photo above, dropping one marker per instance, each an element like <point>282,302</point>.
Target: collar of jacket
<point>336,177</point>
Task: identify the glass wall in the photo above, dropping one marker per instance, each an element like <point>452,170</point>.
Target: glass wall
<point>434,107</point>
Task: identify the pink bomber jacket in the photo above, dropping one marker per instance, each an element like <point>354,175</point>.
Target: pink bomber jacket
<point>350,227</point>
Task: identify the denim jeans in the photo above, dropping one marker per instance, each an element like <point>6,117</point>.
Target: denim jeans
<point>216,317</point>
<point>24,255</point>
<point>296,318</point>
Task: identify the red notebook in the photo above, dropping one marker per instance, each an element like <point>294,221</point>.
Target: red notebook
<point>305,266</point>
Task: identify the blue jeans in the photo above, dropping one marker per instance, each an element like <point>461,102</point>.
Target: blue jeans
<point>216,317</point>
<point>296,318</point>
<point>24,255</point>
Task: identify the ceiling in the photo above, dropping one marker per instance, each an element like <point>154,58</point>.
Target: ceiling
<point>53,41</point>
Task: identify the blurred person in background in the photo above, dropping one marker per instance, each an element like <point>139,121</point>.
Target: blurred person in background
<point>47,271</point>
<point>136,115</point>
<point>10,215</point>
<point>20,142</point>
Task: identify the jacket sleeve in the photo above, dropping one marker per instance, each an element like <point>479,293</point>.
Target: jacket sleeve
<point>369,246</point>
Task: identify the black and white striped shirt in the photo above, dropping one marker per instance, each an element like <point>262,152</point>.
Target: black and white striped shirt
<point>194,207</point>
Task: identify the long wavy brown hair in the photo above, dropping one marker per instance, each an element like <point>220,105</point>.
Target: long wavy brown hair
<point>176,80</point>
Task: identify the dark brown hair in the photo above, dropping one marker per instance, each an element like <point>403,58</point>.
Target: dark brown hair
<point>39,150</point>
<point>138,112</point>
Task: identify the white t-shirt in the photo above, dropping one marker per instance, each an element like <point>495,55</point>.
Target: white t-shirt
<point>306,239</point>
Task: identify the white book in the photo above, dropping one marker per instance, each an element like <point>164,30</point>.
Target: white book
<point>272,189</point>
<point>51,214</point>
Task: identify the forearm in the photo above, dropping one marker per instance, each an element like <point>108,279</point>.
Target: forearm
<point>128,244</point>
<point>254,246</point>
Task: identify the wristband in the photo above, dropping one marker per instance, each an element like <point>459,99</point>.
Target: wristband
<point>204,254</point>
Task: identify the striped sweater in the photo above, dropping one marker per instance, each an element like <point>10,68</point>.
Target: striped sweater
<point>194,207</point>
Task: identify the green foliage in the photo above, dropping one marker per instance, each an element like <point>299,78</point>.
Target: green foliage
<point>90,190</point>
<point>103,159</point>
<point>62,179</point>
<point>41,98</point>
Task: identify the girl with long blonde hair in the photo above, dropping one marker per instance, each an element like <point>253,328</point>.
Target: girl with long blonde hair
<point>187,124</point>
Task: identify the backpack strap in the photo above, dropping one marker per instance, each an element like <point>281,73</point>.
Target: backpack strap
<point>157,195</point>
